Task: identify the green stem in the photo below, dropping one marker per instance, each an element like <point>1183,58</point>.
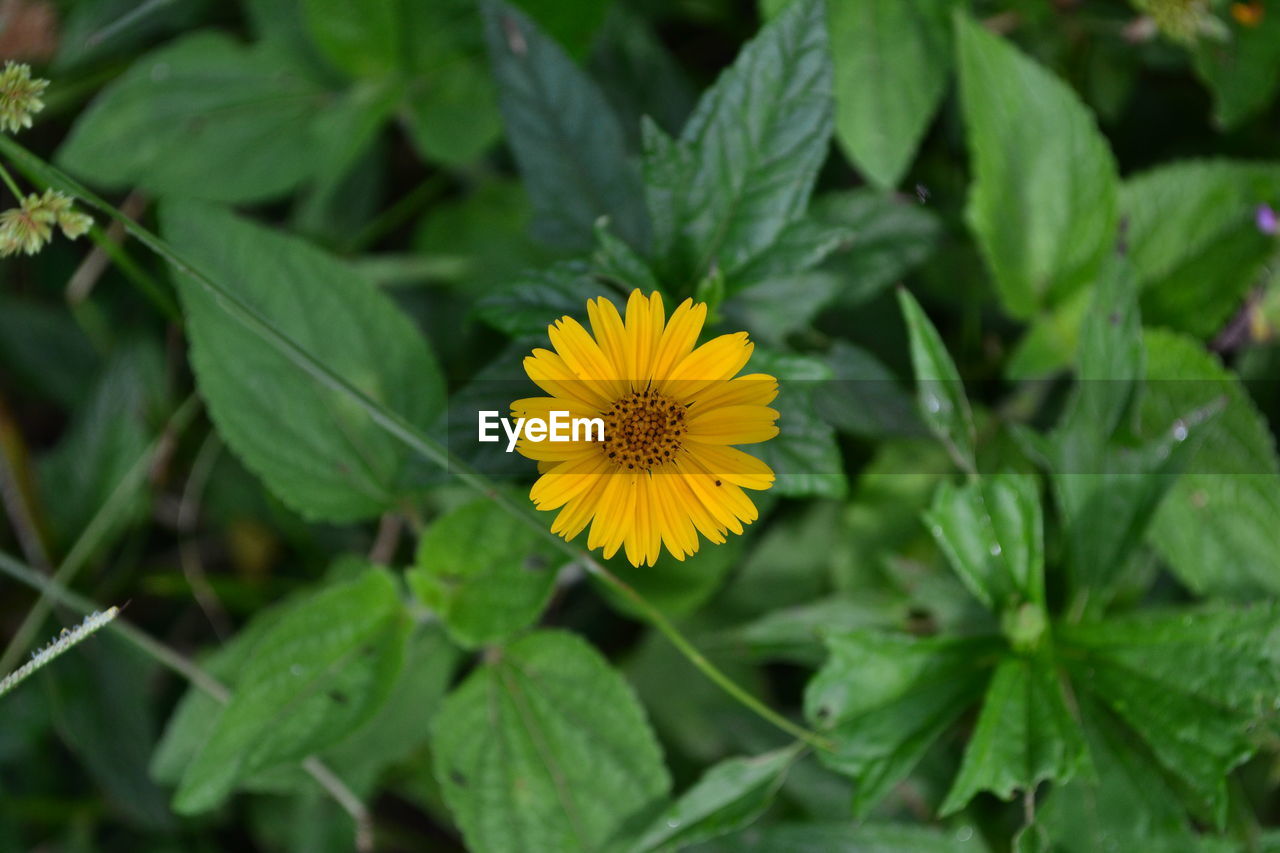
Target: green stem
<point>10,183</point>
<point>97,528</point>
<point>706,667</point>
<point>396,426</point>
<point>132,270</point>
<point>398,213</point>
<point>51,590</point>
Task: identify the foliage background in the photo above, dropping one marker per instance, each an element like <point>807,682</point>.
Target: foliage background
<point>1028,610</point>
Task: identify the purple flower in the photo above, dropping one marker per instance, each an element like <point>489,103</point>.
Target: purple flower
<point>1266,220</point>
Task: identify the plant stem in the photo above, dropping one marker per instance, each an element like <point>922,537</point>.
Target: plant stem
<point>396,426</point>
<point>706,667</point>
<point>94,531</point>
<point>10,183</point>
<point>188,669</point>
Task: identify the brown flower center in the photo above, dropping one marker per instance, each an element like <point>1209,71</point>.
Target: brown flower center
<point>644,429</point>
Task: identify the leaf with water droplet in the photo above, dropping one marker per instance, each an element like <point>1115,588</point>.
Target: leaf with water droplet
<point>940,393</point>
<point>992,531</point>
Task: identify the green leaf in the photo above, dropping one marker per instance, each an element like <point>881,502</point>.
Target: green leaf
<point>571,23</point>
<point>105,440</point>
<point>865,398</point>
<point>316,675</point>
<point>847,837</point>
<point>1243,72</point>
<point>804,456</point>
<point>1108,493</point>
<point>452,113</point>
<point>1109,364</point>
<point>747,159</point>
<point>675,587</point>
<point>1127,802</point>
<point>402,725</point>
<point>44,352</point>
<point>1216,526</point>
<point>202,117</point>
<point>485,234</point>
<point>729,796</point>
<point>536,299</point>
<point>567,142</point>
<point>1193,241</point>
<point>796,633</point>
<point>802,245</point>
<point>95,705</point>
<point>639,75</point>
<point>1043,201</point>
<point>363,39</point>
<point>1193,684</point>
<point>546,748</point>
<point>485,573</point>
<point>885,698</point>
<point>310,445</point>
<point>939,391</point>
<point>891,61</point>
<point>1025,735</point>
<point>615,262</point>
<point>992,531</point>
<point>890,238</point>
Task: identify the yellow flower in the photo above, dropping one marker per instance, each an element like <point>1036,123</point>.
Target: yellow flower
<point>665,469</point>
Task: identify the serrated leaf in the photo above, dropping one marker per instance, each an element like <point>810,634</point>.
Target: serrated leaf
<point>1216,526</point>
<point>485,573</point>
<point>992,531</point>
<point>1025,735</point>
<point>944,407</point>
<point>892,60</point>
<point>201,117</point>
<point>746,161</point>
<point>1127,802</point>
<point>883,699</point>
<point>317,674</point>
<point>1043,200</point>
<point>536,299</point>
<point>1192,238</point>
<point>567,142</point>
<point>802,245</point>
<point>546,748</point>
<point>729,796</point>
<point>311,446</point>
<point>614,261</point>
<point>890,238</point>
<point>1193,684</point>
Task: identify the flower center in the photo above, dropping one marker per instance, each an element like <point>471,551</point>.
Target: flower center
<point>643,429</point>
